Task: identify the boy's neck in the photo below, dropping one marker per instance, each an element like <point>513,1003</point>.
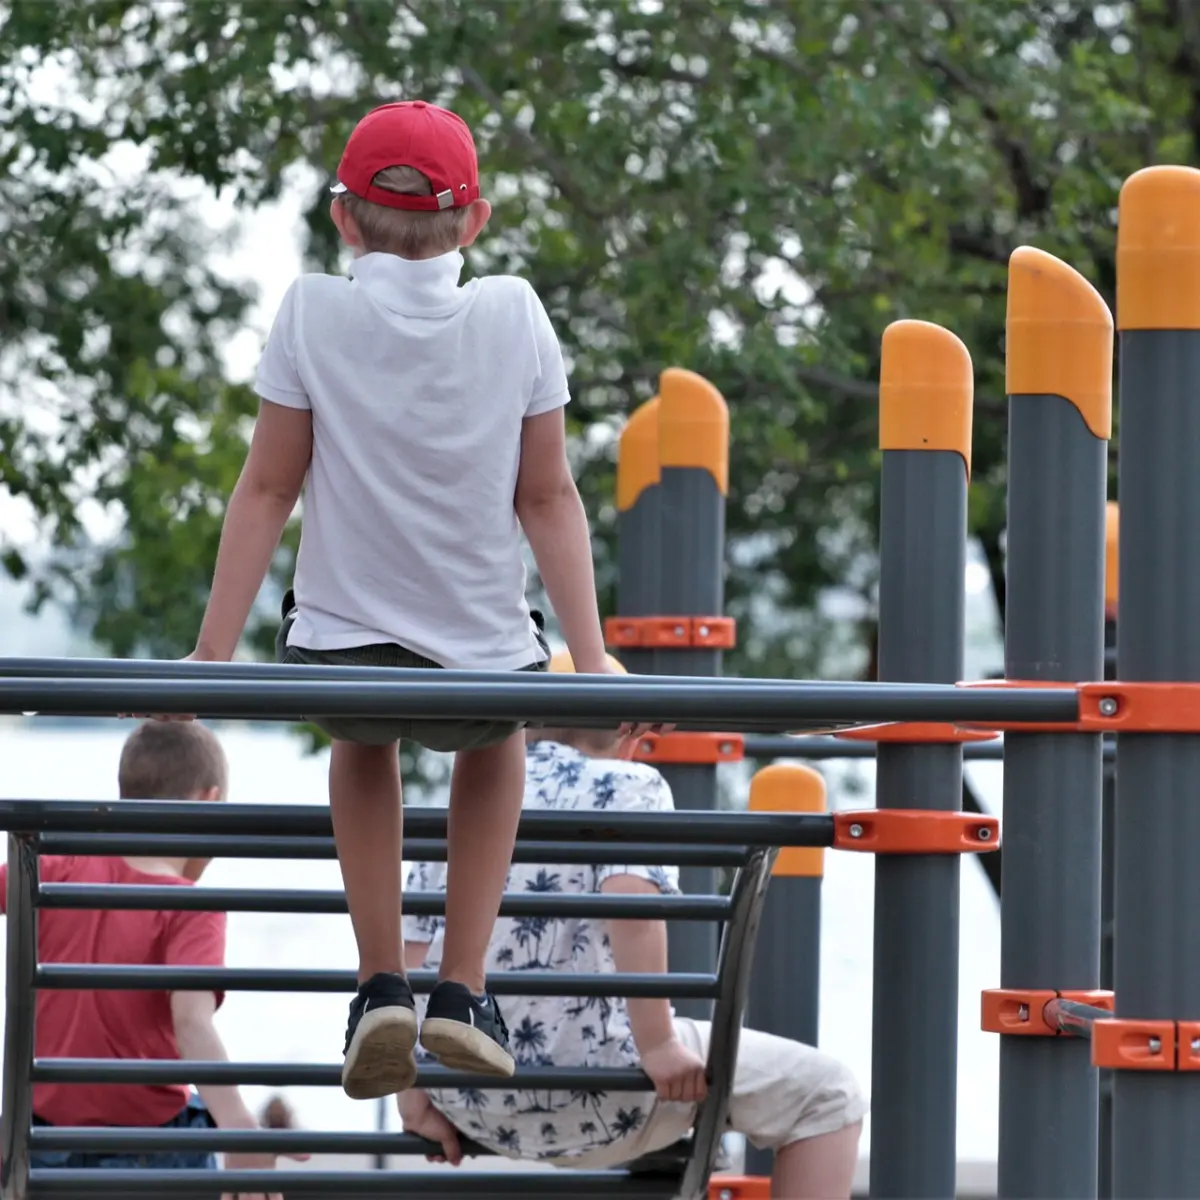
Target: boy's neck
<point>158,866</point>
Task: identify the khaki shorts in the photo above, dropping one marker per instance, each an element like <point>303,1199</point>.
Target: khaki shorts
<point>444,737</point>
<point>783,1092</point>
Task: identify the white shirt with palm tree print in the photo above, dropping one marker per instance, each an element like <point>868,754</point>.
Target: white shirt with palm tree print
<point>552,1030</point>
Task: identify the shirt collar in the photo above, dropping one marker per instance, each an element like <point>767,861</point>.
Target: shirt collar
<point>426,287</point>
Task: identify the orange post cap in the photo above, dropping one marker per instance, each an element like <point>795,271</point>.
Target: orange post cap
<point>693,425</point>
<point>1060,337</point>
<point>1112,522</point>
<point>791,788</point>
<point>637,454</point>
<point>1158,250</point>
<point>926,390</point>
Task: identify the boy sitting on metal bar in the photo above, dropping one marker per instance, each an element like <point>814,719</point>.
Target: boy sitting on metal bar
<point>159,761</point>
<point>422,415</point>
<point>787,1097</point>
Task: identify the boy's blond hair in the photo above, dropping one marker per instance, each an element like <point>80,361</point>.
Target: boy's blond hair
<point>171,760</point>
<point>397,231</point>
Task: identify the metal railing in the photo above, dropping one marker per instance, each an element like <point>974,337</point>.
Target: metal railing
<point>38,827</point>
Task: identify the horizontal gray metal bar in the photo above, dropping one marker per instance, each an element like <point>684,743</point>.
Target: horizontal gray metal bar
<point>137,1140</point>
<point>403,1185</point>
<point>164,1071</point>
<point>415,849</point>
<point>417,904</point>
<point>817,748</point>
<point>89,976</point>
<point>172,816</point>
<point>446,695</point>
<point>1073,1018</point>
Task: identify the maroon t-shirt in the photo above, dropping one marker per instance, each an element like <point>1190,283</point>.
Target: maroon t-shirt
<point>112,1024</point>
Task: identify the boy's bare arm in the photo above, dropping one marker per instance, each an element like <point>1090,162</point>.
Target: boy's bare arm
<point>640,947</point>
<point>259,508</point>
<point>198,1040</point>
<point>551,513</point>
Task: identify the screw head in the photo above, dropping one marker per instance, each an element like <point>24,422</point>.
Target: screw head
<point>1196,1045</point>
<point>983,833</point>
<point>725,748</point>
<point>725,1194</point>
<point>856,831</point>
<point>1022,1012</point>
<point>1155,1045</point>
<point>703,631</point>
<point>680,631</point>
<point>1108,707</point>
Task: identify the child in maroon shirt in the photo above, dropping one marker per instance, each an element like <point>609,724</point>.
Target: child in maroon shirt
<point>160,761</point>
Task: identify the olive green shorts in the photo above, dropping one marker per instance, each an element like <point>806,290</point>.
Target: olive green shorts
<point>442,736</point>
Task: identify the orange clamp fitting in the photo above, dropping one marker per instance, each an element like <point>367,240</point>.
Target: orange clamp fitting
<point>915,732</point>
<point>1187,1045</point>
<point>1140,707</point>
<point>914,831</point>
<point>668,633</point>
<point>1022,1012</point>
<point>1134,1045</point>
<point>739,1187</point>
<point>1016,1011</point>
<point>689,748</point>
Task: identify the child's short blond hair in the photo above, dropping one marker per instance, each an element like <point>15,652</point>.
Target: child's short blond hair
<point>401,232</point>
<point>171,760</point>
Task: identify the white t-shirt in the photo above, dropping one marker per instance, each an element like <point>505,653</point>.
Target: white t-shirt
<point>554,1030</point>
<point>418,389</point>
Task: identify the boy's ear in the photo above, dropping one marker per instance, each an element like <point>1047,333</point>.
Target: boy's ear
<point>208,795</point>
<point>346,225</point>
<point>478,212</point>
<point>194,868</point>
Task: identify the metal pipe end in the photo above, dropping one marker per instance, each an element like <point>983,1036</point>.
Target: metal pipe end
<point>926,390</point>
<point>1158,249</point>
<point>693,425</point>
<point>1059,337</point>
<point>637,455</point>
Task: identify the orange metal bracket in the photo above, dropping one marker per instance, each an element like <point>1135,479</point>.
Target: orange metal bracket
<point>670,633</point>
<point>739,1187</point>
<point>914,831</point>
<point>1135,1045</point>
<point>916,732</point>
<point>689,748</point>
<point>1114,707</point>
<point>1021,1012</point>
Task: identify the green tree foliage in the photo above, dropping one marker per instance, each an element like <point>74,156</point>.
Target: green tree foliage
<point>661,169</point>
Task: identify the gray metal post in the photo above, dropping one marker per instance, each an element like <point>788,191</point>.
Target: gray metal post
<point>1059,363</point>
<point>1107,814</point>
<point>1156,1150</point>
<point>639,518</point>
<point>693,455</point>
<point>785,984</point>
<point>925,408</point>
<point>20,1001</point>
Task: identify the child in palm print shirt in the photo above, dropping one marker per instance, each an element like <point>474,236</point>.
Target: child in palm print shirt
<point>787,1097</point>
<point>591,1031</point>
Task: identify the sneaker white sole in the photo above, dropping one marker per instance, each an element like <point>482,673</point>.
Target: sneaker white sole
<point>380,1059</point>
<point>462,1048</point>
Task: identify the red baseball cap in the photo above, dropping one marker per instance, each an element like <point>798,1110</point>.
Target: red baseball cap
<point>415,134</point>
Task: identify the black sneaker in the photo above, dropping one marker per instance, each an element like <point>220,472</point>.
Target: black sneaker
<point>466,1033</point>
<point>380,1039</point>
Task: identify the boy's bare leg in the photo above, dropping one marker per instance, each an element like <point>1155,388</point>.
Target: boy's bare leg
<point>463,1027</point>
<point>820,1168</point>
<point>365,799</point>
<point>486,791</point>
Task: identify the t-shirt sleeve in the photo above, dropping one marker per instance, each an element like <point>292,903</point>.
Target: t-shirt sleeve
<point>278,379</point>
<point>550,389</point>
<point>196,939</point>
<point>424,877</point>
<point>635,787</point>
